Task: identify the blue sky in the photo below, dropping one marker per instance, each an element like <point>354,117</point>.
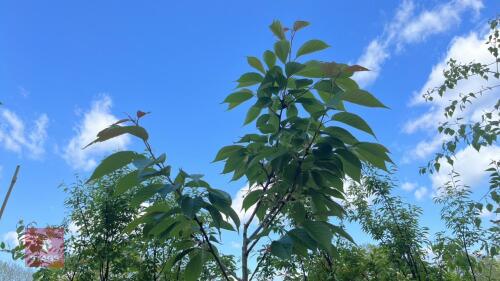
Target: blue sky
<point>68,69</point>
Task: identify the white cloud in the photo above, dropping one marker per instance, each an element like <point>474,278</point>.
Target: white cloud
<point>14,135</point>
<point>93,121</point>
<point>11,239</point>
<point>408,186</point>
<point>408,27</point>
<point>418,191</point>
<point>465,49</point>
<point>470,164</point>
<point>421,192</point>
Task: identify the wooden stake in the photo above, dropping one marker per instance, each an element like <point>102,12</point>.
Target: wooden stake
<point>12,183</point>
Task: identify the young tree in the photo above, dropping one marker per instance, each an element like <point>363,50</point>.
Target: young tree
<point>297,159</point>
<point>390,221</point>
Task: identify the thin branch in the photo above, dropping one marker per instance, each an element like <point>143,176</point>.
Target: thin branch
<point>12,183</point>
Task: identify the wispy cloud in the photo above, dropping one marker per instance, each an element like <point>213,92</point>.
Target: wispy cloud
<point>420,193</point>
<point>464,48</point>
<point>11,239</point>
<point>14,136</point>
<point>93,121</point>
<point>410,26</point>
<point>470,164</point>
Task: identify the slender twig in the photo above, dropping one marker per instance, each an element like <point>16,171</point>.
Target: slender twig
<point>12,183</point>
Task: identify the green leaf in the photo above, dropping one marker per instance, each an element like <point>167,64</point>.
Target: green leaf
<point>362,98</point>
<point>126,182</point>
<point>291,111</point>
<point>251,198</point>
<point>115,131</point>
<point>292,68</point>
<point>194,267</point>
<point>282,248</point>
<point>301,237</point>
<point>298,25</point>
<point>249,79</point>
<point>226,151</point>
<point>347,84</point>
<point>238,98</point>
<point>311,46</point>
<point>253,112</point>
<point>145,193</point>
<point>269,59</point>
<point>341,134</point>
<point>374,153</point>
<point>340,231</point>
<point>282,49</point>
<point>350,163</point>
<point>255,63</point>
<point>353,120</point>
<point>277,29</point>
<point>320,232</point>
<point>114,162</point>
<point>190,206</point>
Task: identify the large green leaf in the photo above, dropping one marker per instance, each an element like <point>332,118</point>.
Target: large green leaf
<point>252,113</point>
<point>362,98</point>
<point>373,153</point>
<point>145,193</point>
<point>126,182</point>
<point>255,63</point>
<point>282,248</point>
<point>249,79</point>
<point>341,134</point>
<point>320,232</point>
<point>311,46</point>
<point>115,131</point>
<point>350,163</point>
<point>194,267</point>
<point>353,120</point>
<point>251,198</point>
<point>226,151</point>
<point>114,162</point>
<point>238,98</point>
<point>282,49</point>
<point>340,231</point>
<point>292,68</point>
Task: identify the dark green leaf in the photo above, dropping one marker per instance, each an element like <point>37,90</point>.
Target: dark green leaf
<point>115,131</point>
<point>320,232</point>
<point>194,267</point>
<point>251,198</point>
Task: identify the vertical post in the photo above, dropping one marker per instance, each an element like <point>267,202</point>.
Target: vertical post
<point>12,183</point>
